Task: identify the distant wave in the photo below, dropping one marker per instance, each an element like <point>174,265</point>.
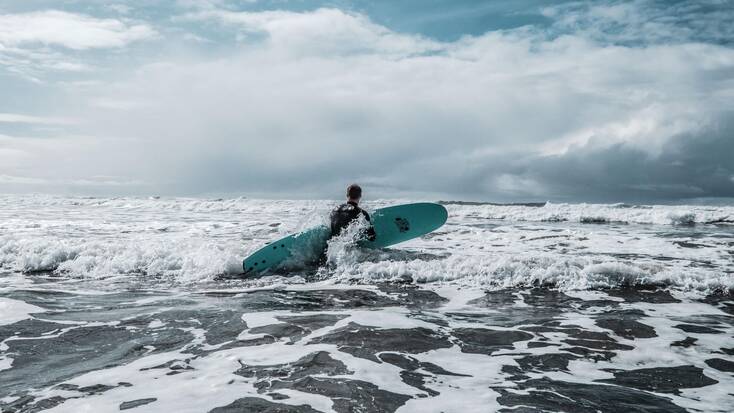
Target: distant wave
<point>526,204</point>
<point>599,213</point>
<point>530,211</point>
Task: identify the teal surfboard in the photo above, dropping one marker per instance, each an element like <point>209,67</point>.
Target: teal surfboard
<point>392,225</point>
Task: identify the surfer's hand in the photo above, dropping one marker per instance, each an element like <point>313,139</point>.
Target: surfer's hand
<point>370,232</point>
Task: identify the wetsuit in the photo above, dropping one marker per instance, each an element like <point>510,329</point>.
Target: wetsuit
<point>344,214</point>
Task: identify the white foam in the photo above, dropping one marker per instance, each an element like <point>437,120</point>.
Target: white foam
<point>188,240</point>
<point>156,324</point>
<point>5,362</point>
<point>212,380</point>
<point>12,311</point>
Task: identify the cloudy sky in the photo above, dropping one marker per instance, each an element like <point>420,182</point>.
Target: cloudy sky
<point>503,101</point>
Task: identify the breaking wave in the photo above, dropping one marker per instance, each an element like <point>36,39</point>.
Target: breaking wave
<point>567,246</point>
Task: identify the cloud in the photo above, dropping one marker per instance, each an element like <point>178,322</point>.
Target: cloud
<point>306,102</point>
<point>120,8</point>
<point>35,43</point>
<point>31,64</point>
<point>48,184</point>
<point>688,165</point>
<point>645,21</point>
<point>69,30</point>
<point>322,31</point>
<point>20,180</point>
<point>39,120</point>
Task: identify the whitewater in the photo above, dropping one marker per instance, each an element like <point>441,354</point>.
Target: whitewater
<point>110,304</point>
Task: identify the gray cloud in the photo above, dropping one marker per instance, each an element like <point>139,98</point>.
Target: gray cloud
<point>689,165</point>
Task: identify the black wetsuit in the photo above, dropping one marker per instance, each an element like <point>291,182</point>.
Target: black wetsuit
<point>344,214</point>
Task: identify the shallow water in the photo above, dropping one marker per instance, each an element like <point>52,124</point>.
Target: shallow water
<point>117,304</point>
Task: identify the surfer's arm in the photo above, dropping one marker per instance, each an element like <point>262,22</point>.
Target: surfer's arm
<point>370,231</point>
<point>334,221</point>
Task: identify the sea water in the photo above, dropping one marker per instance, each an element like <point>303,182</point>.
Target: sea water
<point>110,304</point>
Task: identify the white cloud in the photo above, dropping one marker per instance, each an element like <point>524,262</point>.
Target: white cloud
<point>21,180</point>
<point>50,183</point>
<point>70,30</point>
<point>37,43</point>
<point>318,32</point>
<point>40,120</point>
<point>208,4</point>
<point>32,63</point>
<point>120,8</point>
<point>312,100</point>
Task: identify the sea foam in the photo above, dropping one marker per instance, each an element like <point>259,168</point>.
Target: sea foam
<point>186,240</point>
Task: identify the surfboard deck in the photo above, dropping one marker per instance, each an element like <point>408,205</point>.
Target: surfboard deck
<point>392,225</point>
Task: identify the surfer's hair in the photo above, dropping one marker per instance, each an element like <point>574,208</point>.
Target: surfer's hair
<point>354,191</point>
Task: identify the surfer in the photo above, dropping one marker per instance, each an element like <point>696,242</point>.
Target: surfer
<point>346,213</point>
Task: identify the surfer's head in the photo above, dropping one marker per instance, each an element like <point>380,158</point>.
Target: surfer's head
<point>354,192</point>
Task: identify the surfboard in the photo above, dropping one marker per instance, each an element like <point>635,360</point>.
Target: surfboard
<point>392,225</point>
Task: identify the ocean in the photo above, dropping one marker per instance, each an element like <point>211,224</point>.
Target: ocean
<point>110,304</point>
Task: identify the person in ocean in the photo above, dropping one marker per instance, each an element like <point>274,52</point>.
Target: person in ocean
<point>346,213</point>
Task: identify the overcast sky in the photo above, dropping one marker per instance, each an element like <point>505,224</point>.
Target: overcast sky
<point>499,101</point>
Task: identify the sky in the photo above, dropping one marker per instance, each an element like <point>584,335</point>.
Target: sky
<point>506,101</point>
